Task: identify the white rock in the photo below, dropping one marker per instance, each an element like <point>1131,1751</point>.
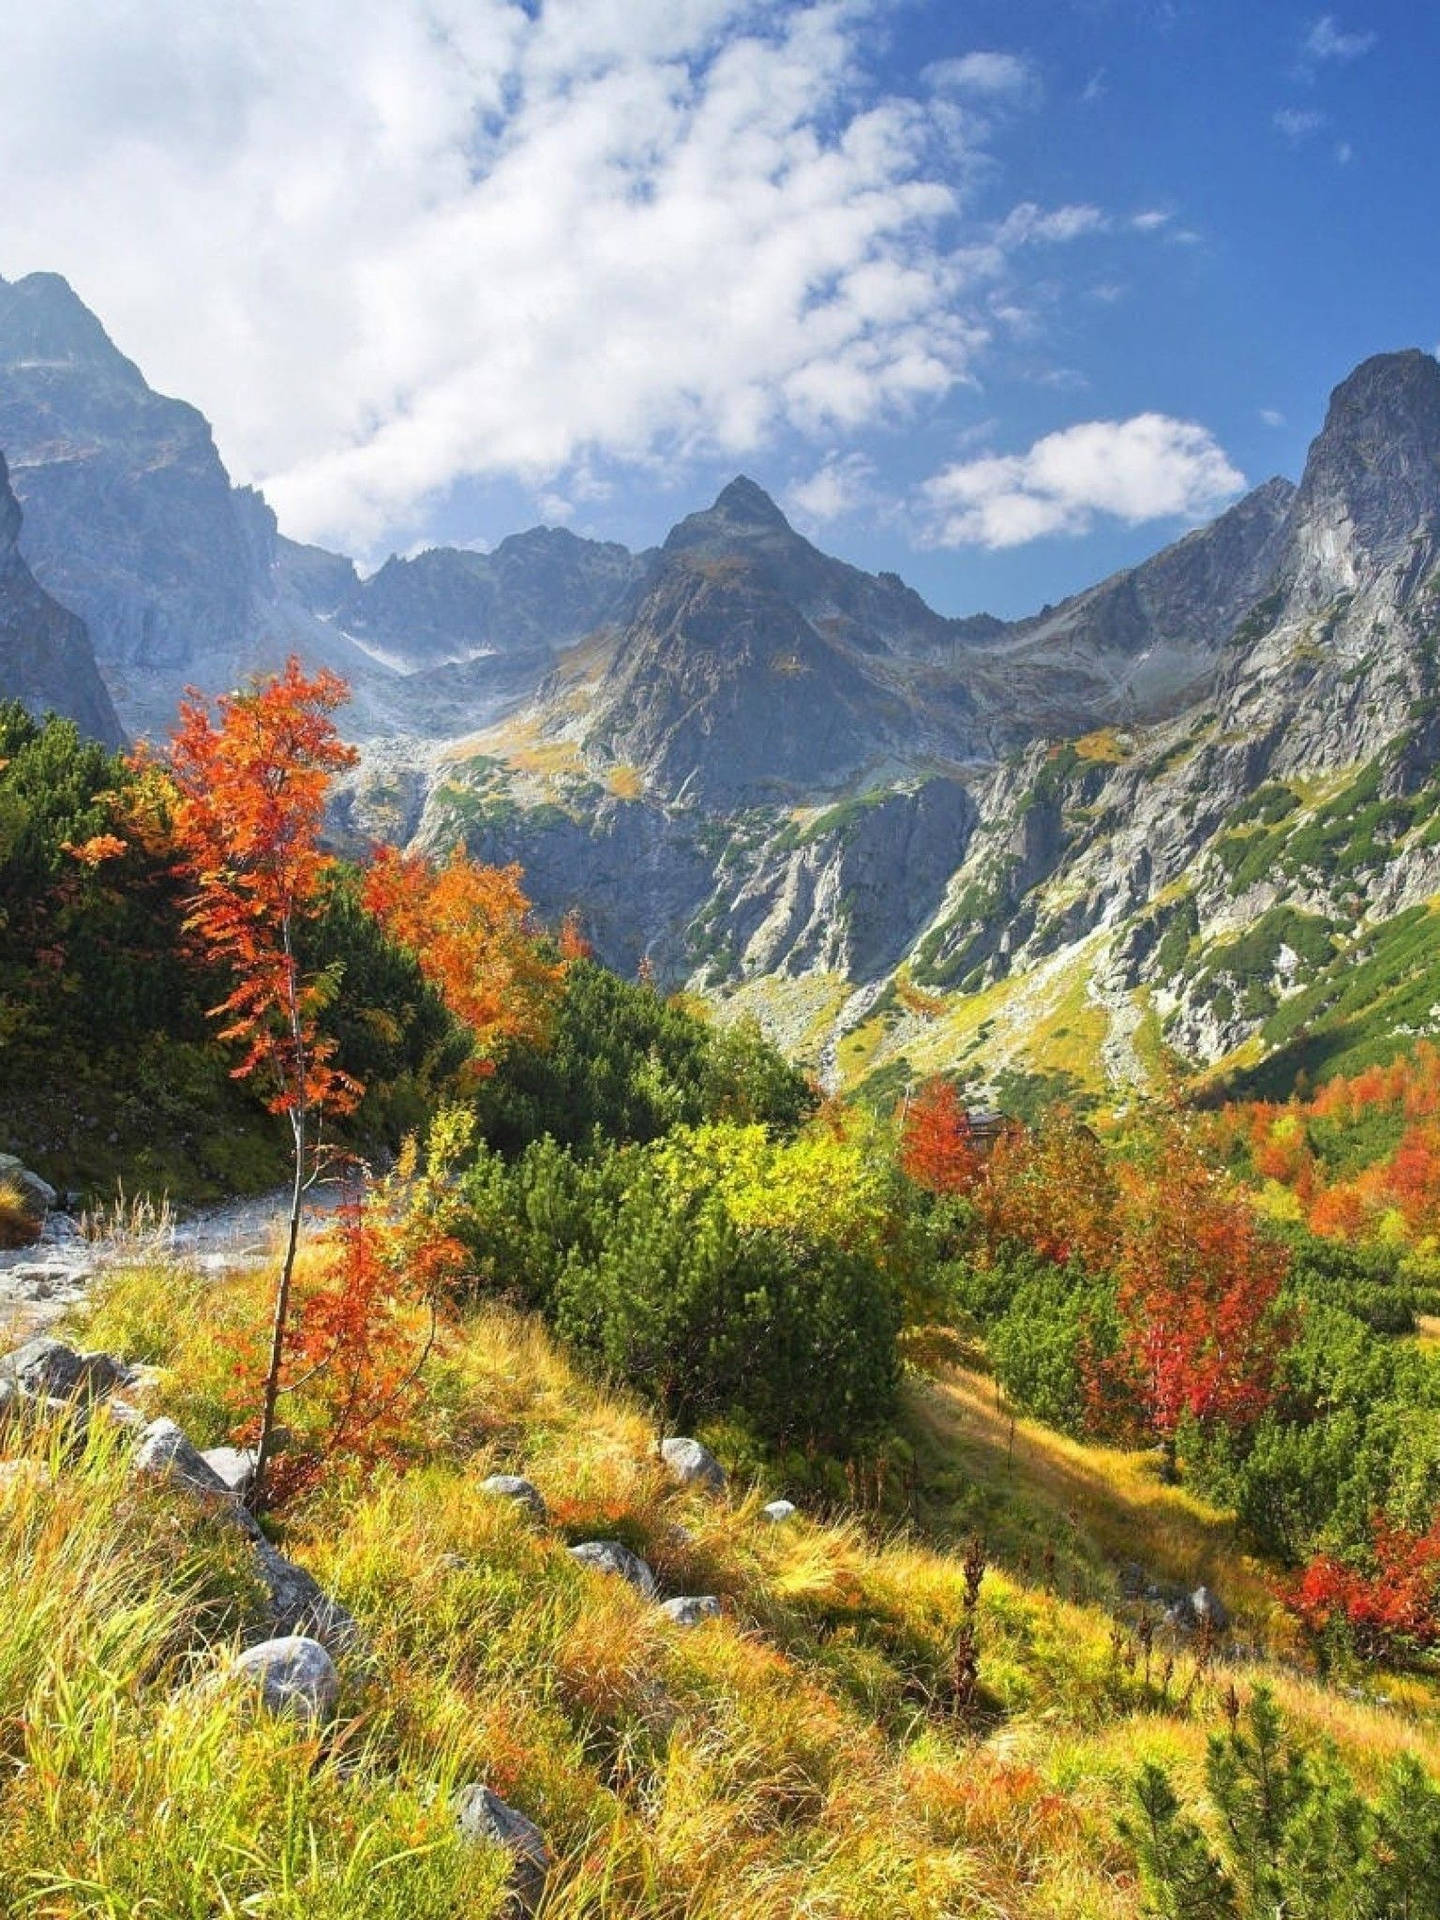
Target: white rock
<point>483,1815</point>
<point>511,1486</point>
<point>779,1511</point>
<point>690,1609</point>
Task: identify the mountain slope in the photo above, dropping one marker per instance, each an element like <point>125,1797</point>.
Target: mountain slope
<point>45,655</point>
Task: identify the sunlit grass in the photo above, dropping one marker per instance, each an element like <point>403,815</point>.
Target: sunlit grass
<point>802,1755</point>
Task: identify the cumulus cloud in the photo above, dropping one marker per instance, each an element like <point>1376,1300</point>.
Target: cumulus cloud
<point>1150,467</point>
<point>1326,41</point>
<point>386,243</point>
<point>841,485</point>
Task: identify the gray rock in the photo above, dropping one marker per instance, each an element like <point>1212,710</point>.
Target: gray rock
<point>777,1512</point>
<point>234,1465</point>
<point>23,1473</point>
<point>47,1368</point>
<point>165,1453</point>
<point>292,1675</point>
<point>689,1610</point>
<point>1206,1605</point>
<point>299,1605</point>
<point>483,1815</point>
<point>609,1556</point>
<point>512,1486</point>
<point>38,1194</point>
<point>691,1464</point>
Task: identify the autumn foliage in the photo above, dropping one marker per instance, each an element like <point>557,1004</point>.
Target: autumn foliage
<point>250,789</point>
<point>1198,1291</point>
<point>937,1143</point>
<point>469,928</point>
<point>1392,1608</point>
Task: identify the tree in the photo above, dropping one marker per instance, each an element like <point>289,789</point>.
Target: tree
<point>250,803</point>
<point>469,928</point>
<point>1201,1333</point>
<point>937,1143</point>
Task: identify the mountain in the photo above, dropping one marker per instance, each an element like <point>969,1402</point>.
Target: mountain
<point>45,655</point>
<point>1192,813</point>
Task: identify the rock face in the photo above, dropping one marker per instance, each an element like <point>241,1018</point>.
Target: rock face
<point>45,655</point>
<point>131,519</point>
<point>536,592</point>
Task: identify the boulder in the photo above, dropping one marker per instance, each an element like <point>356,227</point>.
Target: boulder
<point>778,1512</point>
<point>692,1465</point>
<point>608,1556</point>
<point>511,1486</point>
<point>483,1815</point>
<point>37,1196</point>
<point>234,1465</point>
<point>48,1369</point>
<point>689,1610</point>
<point>165,1452</point>
<point>292,1675</point>
<point>300,1605</point>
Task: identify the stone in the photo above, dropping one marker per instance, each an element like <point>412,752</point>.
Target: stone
<point>1208,1607</point>
<point>511,1486</point>
<point>609,1556</point>
<point>692,1465</point>
<point>38,1195</point>
<point>20,1474</point>
<point>48,1369</point>
<point>300,1605</point>
<point>165,1452</point>
<point>777,1512</point>
<point>293,1674</point>
<point>483,1815</point>
<point>689,1610</point>
<point>234,1465</point>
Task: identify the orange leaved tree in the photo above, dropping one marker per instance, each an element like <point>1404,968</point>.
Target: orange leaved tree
<point>938,1149</point>
<point>250,797</point>
<point>468,926</point>
<point>1198,1292</point>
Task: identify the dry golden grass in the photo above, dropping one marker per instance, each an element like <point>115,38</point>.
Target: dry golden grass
<point>800,1756</point>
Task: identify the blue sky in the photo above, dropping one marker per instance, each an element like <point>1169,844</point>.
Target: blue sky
<point>999,296</point>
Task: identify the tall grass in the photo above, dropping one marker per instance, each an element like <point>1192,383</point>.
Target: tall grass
<point>800,1756</point>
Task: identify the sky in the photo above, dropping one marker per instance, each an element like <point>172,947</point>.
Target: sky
<point>1000,296</point>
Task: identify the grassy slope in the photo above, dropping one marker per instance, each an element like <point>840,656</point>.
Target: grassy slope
<point>800,1756</point>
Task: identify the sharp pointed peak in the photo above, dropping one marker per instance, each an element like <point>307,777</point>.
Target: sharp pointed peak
<point>745,499</point>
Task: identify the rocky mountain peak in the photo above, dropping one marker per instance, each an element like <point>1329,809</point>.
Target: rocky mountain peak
<point>1372,477</point>
<point>45,326</point>
<point>740,512</point>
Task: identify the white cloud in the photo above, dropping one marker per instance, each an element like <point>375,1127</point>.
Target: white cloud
<point>1272,417</point>
<point>841,485</point>
<point>1344,153</point>
<point>982,73</point>
<point>1150,220</point>
<point>1027,224</point>
<point>1150,467</point>
<point>1298,123</point>
<point>386,243</point>
<point>1326,41</point>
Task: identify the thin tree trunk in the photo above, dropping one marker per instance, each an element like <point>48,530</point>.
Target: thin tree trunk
<point>279,1320</point>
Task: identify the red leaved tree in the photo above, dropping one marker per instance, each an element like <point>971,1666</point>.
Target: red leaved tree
<point>1392,1609</point>
<point>1201,1333</point>
<point>250,799</point>
<point>937,1143</point>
